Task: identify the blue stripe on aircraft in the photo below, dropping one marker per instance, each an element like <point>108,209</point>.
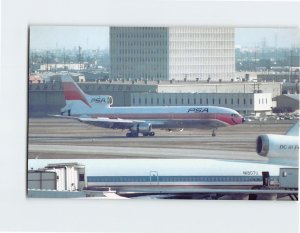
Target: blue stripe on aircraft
<point>176,178</point>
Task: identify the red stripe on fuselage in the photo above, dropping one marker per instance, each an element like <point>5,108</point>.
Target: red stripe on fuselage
<point>72,92</point>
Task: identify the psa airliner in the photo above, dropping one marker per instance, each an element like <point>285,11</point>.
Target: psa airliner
<point>96,110</point>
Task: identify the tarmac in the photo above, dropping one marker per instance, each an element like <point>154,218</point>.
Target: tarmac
<point>56,138</point>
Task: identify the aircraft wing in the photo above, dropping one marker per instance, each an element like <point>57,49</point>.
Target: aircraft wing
<point>116,123</point>
<point>294,130</point>
<point>110,123</point>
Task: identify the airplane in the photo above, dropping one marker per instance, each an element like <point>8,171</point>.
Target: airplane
<point>97,110</point>
<point>195,177</point>
<point>280,149</point>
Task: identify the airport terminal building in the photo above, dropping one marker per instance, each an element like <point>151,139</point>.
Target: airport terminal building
<point>47,98</point>
<point>172,53</point>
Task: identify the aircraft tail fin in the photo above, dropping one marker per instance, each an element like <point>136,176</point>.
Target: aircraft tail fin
<point>72,91</point>
<point>294,130</point>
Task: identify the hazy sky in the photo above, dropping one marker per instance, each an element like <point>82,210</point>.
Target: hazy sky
<point>68,37</point>
<point>250,37</point>
<point>93,37</point>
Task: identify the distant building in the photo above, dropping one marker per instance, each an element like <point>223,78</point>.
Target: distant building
<point>35,79</point>
<point>288,102</point>
<point>62,67</point>
<point>174,53</point>
<point>290,88</point>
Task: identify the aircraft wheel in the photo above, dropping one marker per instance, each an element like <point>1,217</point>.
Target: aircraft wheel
<point>135,134</point>
<point>213,133</point>
<point>151,134</point>
<point>132,134</point>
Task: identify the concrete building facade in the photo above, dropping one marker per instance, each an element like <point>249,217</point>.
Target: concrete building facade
<point>288,102</point>
<point>139,53</point>
<point>234,87</point>
<point>201,53</point>
<point>174,53</point>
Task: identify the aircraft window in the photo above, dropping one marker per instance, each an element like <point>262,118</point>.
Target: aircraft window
<point>234,115</point>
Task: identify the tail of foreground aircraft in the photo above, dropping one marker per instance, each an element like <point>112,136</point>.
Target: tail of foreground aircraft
<point>280,148</point>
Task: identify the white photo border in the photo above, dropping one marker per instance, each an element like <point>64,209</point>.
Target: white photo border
<point>17,213</point>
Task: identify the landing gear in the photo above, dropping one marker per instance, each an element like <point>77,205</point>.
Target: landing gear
<point>214,133</point>
<point>151,134</point>
<point>136,134</point>
<point>132,134</point>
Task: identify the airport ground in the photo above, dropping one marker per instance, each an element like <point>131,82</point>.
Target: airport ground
<point>53,138</point>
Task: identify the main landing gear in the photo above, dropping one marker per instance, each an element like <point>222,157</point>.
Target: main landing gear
<point>136,134</point>
<point>214,133</point>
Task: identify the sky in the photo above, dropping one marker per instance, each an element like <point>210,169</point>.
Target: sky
<point>97,37</point>
<point>68,37</point>
<point>252,37</point>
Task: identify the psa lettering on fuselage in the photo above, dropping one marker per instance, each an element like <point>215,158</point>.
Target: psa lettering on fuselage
<point>197,110</point>
<point>98,100</point>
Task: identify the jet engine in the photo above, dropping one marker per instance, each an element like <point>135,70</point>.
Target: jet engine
<point>277,146</point>
<point>141,128</point>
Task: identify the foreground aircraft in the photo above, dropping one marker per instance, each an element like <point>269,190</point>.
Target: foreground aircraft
<point>197,178</point>
<point>96,110</point>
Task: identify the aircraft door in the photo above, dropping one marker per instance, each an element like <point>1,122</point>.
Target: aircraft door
<point>154,178</point>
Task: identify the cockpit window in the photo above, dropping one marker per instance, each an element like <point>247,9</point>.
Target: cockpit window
<point>234,115</point>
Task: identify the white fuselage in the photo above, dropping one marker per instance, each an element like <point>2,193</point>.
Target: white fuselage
<point>146,175</point>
